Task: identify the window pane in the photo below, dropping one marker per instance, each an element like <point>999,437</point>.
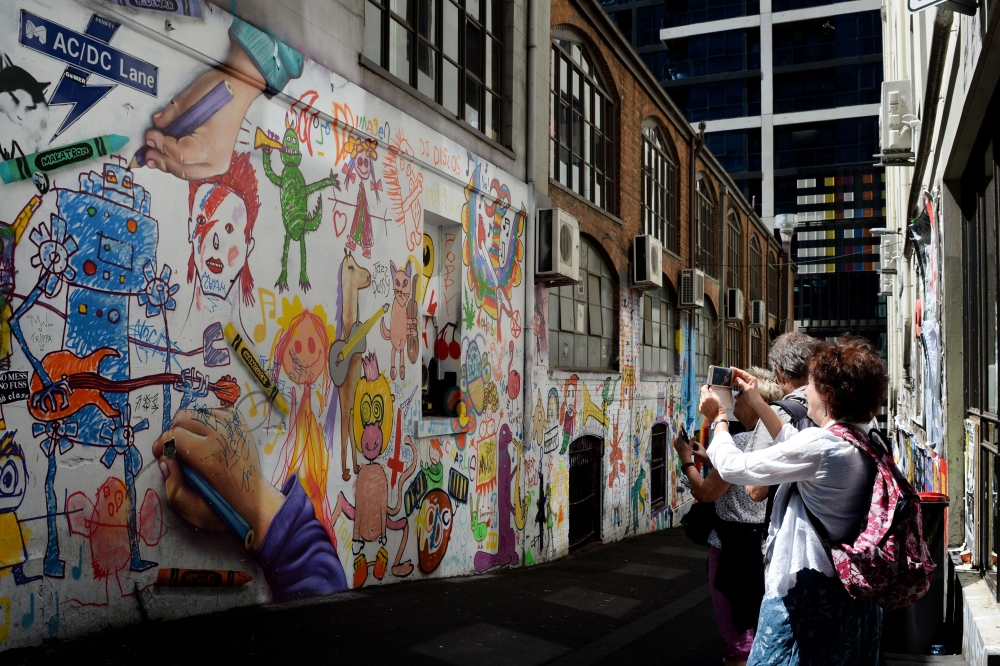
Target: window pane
<point>425,70</point>
<point>608,322</point>
<point>566,349</point>
<point>594,352</point>
<point>400,51</point>
<point>449,86</point>
<point>472,101</point>
<point>596,320</point>
<point>493,121</point>
<point>472,7</point>
<point>594,290</point>
<point>426,23</point>
<point>497,59</point>
<point>373,33</point>
<point>581,318</point>
<point>402,8</point>
<point>580,351</point>
<point>495,21</point>
<point>567,312</point>
<point>473,36</point>
<point>449,31</point>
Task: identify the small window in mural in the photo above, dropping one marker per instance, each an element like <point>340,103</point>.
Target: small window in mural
<point>581,316</point>
<point>441,314</point>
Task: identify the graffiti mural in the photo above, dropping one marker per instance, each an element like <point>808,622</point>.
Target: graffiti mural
<point>217,323</point>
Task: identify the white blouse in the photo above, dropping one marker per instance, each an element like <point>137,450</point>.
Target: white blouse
<point>834,478</point>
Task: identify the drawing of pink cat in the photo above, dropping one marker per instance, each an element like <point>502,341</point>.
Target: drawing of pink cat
<point>402,324</point>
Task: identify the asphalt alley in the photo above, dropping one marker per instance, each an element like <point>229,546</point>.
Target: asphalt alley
<point>640,599</point>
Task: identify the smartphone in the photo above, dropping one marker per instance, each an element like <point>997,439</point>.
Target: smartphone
<point>720,376</point>
<point>682,432</point>
<point>721,381</point>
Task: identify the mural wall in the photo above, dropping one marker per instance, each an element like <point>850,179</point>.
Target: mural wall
<point>918,446</point>
<point>619,409</point>
<point>218,297</point>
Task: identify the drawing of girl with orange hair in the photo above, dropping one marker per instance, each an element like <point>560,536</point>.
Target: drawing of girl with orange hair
<point>300,353</point>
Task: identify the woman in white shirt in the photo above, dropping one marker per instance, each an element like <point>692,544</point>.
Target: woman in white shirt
<point>807,617</point>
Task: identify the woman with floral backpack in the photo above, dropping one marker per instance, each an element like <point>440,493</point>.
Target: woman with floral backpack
<point>835,527</point>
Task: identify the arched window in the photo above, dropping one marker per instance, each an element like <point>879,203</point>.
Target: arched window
<point>734,250</point>
<point>758,351</point>
<point>707,241</point>
<point>581,316</point>
<point>658,329</point>
<point>581,152</point>
<point>705,351</point>
<point>659,187</point>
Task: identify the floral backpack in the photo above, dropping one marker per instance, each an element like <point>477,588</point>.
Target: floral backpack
<point>888,562</point>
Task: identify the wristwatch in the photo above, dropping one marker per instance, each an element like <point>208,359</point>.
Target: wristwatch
<point>686,465</point>
<point>717,422</point>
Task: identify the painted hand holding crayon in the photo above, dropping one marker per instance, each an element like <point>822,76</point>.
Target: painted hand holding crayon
<point>193,136</point>
<point>217,445</point>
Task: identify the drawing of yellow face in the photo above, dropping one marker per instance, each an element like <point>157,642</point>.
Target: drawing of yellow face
<point>371,415</point>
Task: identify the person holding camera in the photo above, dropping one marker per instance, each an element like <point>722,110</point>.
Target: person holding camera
<point>807,616</point>
<point>789,357</point>
<point>735,562</point>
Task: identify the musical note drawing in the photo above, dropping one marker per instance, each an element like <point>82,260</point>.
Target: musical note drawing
<point>28,618</point>
<point>266,297</point>
<point>78,569</point>
<point>253,403</point>
<point>54,620</point>
<point>5,617</point>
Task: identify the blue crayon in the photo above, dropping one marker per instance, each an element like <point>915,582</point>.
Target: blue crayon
<point>192,119</point>
<point>223,509</point>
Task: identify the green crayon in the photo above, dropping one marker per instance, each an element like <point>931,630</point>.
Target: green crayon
<point>21,168</point>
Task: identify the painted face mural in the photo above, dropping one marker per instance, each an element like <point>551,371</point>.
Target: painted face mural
<point>223,212</point>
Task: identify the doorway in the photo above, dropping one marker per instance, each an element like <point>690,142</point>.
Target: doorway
<point>584,491</point>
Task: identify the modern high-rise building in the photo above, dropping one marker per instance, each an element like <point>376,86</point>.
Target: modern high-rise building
<point>789,91</point>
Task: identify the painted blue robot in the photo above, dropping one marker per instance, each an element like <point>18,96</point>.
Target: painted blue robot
<point>102,245</point>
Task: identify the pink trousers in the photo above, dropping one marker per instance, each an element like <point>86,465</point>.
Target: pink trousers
<point>737,642</point>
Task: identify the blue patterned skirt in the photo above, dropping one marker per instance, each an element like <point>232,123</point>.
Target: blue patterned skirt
<point>817,624</point>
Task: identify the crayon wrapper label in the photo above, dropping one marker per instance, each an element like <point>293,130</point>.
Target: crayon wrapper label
<point>255,368</point>
<point>195,578</point>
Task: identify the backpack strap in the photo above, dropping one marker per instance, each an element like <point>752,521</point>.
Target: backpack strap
<point>793,408</point>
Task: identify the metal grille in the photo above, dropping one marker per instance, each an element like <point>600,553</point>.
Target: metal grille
<point>584,491</point>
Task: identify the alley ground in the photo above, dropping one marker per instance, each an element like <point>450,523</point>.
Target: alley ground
<point>642,600</point>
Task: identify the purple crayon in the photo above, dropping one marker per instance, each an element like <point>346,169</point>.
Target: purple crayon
<point>190,8</point>
<point>192,119</point>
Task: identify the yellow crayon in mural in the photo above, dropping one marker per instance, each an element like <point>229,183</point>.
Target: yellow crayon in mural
<point>246,354</point>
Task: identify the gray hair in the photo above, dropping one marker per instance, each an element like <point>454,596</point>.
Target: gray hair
<point>790,354</point>
<point>767,384</point>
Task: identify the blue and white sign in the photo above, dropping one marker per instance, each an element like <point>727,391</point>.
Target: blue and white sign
<point>87,53</point>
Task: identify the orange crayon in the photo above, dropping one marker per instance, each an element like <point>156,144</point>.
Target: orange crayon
<point>201,578</point>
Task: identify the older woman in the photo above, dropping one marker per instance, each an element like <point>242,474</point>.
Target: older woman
<point>807,616</point>
<point>735,567</point>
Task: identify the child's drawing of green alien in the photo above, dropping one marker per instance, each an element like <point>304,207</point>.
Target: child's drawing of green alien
<point>295,216</point>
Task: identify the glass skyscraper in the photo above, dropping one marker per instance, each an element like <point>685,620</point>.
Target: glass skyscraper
<point>789,91</point>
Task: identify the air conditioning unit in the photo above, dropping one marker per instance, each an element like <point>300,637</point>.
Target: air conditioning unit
<point>758,314</point>
<point>692,288</point>
<point>647,263</point>
<point>735,305</point>
<point>887,255</point>
<point>885,284</point>
<point>558,247</point>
